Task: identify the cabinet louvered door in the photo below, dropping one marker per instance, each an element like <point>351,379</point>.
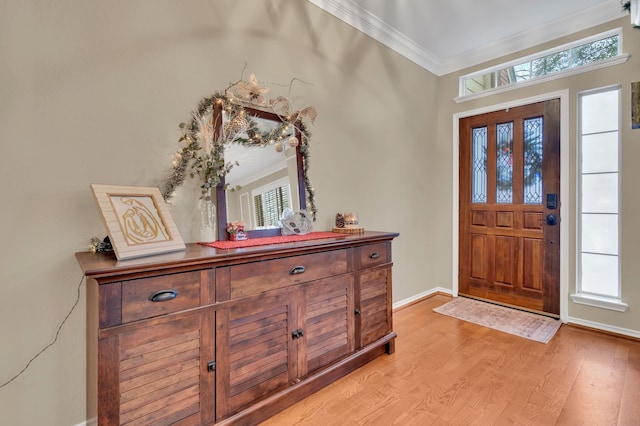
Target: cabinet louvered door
<point>256,353</point>
<point>326,323</point>
<point>373,319</point>
<point>161,376</point>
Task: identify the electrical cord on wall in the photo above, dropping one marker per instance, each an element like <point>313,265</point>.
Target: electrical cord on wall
<point>52,342</point>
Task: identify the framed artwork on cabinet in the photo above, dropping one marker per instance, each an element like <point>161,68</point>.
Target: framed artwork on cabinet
<point>138,220</point>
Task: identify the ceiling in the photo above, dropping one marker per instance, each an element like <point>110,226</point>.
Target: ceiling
<point>446,36</point>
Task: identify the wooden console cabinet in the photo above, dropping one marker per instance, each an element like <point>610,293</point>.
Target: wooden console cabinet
<point>208,336</point>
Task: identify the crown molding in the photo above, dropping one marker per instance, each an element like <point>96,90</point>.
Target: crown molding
<point>374,27</point>
<point>369,24</point>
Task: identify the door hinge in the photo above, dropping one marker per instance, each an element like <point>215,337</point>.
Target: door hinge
<point>211,366</point>
<point>297,334</point>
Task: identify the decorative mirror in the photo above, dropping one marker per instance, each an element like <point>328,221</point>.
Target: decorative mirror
<point>251,156</point>
<point>266,180</point>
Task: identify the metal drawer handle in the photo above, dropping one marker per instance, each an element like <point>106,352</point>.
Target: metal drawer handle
<point>296,270</point>
<point>163,295</point>
<point>374,255</point>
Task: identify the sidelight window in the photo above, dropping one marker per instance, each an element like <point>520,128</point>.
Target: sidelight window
<point>599,202</point>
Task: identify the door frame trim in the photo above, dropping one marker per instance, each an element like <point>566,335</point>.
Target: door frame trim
<point>566,221</point>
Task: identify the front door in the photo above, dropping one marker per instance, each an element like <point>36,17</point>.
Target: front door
<point>510,207</point>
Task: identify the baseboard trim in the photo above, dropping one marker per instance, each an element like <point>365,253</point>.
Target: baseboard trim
<point>604,328</point>
<point>405,303</point>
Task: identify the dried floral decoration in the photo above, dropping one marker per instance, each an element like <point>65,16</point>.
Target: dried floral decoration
<point>202,154</point>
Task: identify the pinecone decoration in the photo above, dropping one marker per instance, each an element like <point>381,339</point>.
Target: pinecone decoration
<point>339,220</point>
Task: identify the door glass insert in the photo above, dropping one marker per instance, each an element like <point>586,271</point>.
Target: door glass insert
<point>533,160</point>
<point>504,163</point>
<point>479,166</point>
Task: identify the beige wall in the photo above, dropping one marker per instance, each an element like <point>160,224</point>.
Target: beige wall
<point>623,74</point>
<point>93,92</point>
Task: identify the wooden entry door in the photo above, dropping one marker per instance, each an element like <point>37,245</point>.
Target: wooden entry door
<point>509,213</point>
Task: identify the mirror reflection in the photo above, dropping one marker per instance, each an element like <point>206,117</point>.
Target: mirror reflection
<point>266,178</point>
<point>261,186</point>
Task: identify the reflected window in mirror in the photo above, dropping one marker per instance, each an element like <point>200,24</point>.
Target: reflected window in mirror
<point>269,203</point>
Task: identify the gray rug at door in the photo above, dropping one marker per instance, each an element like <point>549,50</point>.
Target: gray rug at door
<point>524,324</point>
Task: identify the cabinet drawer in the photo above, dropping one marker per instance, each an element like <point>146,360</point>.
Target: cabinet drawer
<point>172,293</point>
<point>373,254</point>
<point>257,277</point>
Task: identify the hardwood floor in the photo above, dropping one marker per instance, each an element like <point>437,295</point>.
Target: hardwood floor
<point>450,372</point>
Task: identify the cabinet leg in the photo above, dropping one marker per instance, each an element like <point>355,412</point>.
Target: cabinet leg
<point>390,347</point>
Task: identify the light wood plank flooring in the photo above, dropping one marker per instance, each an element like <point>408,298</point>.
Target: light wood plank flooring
<point>451,372</point>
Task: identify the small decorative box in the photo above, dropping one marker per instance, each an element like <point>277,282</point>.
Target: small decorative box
<point>236,231</point>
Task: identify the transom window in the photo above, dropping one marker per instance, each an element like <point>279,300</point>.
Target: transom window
<point>579,56</point>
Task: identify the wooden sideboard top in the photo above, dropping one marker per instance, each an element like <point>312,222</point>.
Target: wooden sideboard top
<point>103,265</point>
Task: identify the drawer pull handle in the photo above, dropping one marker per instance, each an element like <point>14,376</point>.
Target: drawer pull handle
<point>163,295</point>
<point>374,255</point>
<point>297,270</point>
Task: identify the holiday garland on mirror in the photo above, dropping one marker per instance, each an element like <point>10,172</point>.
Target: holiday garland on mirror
<point>202,154</point>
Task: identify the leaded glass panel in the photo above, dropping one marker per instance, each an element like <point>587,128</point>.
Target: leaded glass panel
<point>479,166</point>
<point>533,160</point>
<point>504,163</point>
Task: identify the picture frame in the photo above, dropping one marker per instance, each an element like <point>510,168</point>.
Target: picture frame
<point>138,220</point>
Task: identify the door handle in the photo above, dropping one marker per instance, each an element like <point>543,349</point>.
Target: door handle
<point>552,219</point>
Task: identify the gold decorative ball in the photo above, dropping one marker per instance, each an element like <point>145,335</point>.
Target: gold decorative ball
<point>238,124</point>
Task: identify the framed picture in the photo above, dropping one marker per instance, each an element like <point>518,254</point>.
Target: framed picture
<point>138,220</point>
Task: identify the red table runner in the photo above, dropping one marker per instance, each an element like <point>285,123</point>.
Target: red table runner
<point>252,242</point>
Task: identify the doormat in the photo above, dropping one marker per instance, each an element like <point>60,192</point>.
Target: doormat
<point>524,324</point>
